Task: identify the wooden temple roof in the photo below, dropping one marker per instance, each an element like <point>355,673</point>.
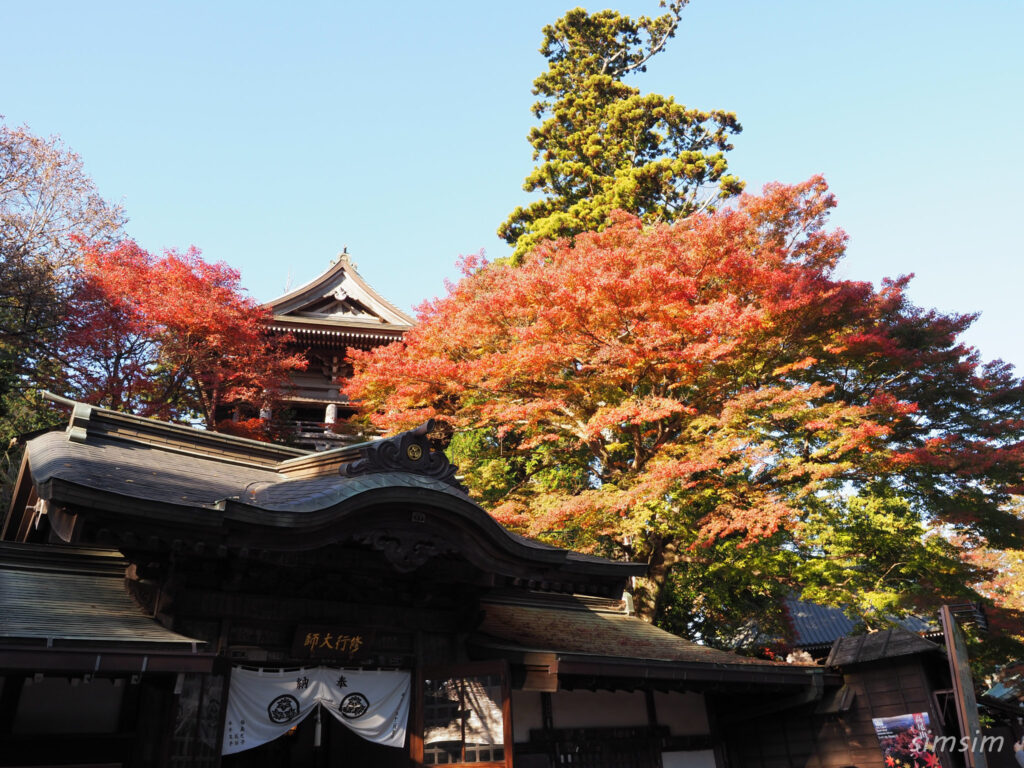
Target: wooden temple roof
<point>875,646</point>
<point>579,636</point>
<point>127,479</point>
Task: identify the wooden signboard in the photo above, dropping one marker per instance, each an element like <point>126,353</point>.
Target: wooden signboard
<point>963,691</point>
<point>335,642</point>
<point>344,643</point>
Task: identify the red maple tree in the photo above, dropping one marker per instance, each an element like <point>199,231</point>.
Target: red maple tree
<point>171,336</point>
<point>706,396</point>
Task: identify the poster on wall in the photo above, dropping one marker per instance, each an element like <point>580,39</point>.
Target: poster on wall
<point>264,703</point>
<point>907,741</point>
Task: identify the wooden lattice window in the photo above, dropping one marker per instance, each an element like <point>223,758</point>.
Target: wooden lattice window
<point>627,747</point>
<point>465,711</point>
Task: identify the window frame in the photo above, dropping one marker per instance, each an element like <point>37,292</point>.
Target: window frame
<point>462,671</point>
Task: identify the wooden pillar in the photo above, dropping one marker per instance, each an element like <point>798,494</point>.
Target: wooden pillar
<point>9,699</point>
<point>416,706</point>
<point>652,710</point>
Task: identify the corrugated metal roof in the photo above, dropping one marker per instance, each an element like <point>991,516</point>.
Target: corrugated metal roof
<point>817,624</point>
<point>821,625</point>
<point>78,596</point>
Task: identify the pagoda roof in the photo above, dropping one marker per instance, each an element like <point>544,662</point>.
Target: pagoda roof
<point>136,482</point>
<point>339,302</point>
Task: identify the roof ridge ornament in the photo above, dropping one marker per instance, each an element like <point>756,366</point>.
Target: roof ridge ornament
<point>407,451</point>
<point>345,258</point>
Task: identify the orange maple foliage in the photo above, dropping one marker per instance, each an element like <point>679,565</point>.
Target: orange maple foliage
<point>1003,584</point>
<point>171,336</point>
<point>658,389</point>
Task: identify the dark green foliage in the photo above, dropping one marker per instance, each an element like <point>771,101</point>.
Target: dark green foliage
<point>603,145</point>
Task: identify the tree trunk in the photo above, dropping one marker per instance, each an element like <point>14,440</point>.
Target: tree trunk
<point>649,591</point>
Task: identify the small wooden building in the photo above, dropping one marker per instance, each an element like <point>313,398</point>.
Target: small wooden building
<point>148,572</point>
<point>897,707</point>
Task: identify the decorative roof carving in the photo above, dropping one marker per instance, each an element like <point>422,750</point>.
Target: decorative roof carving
<point>408,451</point>
<point>405,550</point>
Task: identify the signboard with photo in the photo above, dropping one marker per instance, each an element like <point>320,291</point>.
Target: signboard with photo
<point>907,741</point>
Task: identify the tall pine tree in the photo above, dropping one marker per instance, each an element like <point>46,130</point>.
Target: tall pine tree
<point>603,145</point>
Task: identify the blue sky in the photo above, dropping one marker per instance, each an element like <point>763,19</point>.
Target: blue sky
<point>270,136</point>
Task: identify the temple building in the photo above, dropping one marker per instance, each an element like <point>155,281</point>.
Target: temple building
<point>326,317</point>
<point>174,597</point>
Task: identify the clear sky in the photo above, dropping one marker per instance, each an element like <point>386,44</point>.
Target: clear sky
<point>270,135</point>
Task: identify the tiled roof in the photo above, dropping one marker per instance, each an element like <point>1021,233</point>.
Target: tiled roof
<point>175,482</point>
<point>67,596</point>
<point>591,628</point>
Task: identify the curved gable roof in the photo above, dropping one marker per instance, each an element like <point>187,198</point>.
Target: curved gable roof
<point>154,483</point>
<point>338,297</point>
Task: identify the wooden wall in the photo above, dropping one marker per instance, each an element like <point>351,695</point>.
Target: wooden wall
<point>805,738</point>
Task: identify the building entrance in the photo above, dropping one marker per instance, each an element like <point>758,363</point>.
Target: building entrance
<point>339,747</point>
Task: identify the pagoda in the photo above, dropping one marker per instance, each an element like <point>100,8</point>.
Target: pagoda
<point>325,318</point>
